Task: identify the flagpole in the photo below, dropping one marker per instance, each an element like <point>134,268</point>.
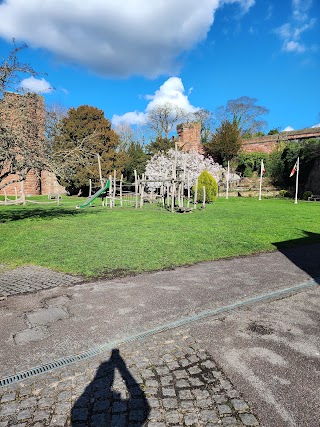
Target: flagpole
<point>260,181</point>
<point>228,173</point>
<point>297,182</point>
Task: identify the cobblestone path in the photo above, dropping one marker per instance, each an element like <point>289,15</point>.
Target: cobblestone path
<point>23,280</point>
<point>164,380</point>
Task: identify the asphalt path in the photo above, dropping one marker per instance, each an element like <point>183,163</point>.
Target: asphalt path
<point>270,349</point>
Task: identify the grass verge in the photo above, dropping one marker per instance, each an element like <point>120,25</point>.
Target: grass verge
<point>102,242</point>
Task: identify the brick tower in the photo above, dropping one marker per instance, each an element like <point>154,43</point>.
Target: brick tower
<point>189,137</point>
<point>24,115</point>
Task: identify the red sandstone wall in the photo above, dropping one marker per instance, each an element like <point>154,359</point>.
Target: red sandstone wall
<point>260,147</point>
<point>25,114</point>
<point>49,184</point>
<point>189,137</point>
<point>32,185</point>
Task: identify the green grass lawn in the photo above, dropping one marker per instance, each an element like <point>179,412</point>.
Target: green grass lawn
<point>99,241</point>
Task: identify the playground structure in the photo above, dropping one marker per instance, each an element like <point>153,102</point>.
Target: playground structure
<point>172,191</point>
<point>22,200</point>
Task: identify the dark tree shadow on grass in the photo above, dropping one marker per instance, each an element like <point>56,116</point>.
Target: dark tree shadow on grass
<point>304,253</point>
<point>17,214</point>
<point>102,406</point>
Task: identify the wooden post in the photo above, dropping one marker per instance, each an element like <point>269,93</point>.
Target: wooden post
<point>188,185</point>
<point>5,197</point>
<point>111,191</point>
<point>90,187</point>
<point>115,187</point>
<point>204,197</point>
<point>195,196</point>
<point>136,187</point>
<point>173,189</point>
<point>174,172</point>
<point>184,178</point>
<point>142,190</point>
<point>168,194</point>
<point>100,173</point>
<point>228,178</point>
<point>121,179</point>
<point>16,194</point>
<point>22,193</point>
<point>181,195</point>
<point>162,193</point>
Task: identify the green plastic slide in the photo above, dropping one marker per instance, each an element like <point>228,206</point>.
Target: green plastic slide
<point>94,196</point>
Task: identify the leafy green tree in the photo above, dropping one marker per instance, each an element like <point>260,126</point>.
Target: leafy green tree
<point>88,125</point>
<point>160,144</point>
<point>273,131</point>
<point>136,159</point>
<point>248,163</point>
<point>225,143</point>
<point>207,180</point>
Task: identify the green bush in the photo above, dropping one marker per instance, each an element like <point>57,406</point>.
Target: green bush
<point>207,180</point>
<point>306,195</point>
<point>284,193</point>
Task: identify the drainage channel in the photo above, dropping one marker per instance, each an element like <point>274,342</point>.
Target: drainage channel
<point>59,363</point>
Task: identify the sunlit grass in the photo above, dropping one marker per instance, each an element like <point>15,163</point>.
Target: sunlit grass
<point>100,241</point>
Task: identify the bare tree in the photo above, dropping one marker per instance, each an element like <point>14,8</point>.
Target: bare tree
<point>206,119</point>
<point>53,115</point>
<point>27,132</point>
<point>244,113</point>
<point>162,119</point>
<point>24,147</point>
<point>126,135</point>
<point>11,69</point>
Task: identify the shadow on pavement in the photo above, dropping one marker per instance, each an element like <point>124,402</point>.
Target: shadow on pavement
<point>304,253</point>
<point>102,405</point>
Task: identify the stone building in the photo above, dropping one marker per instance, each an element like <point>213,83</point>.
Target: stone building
<point>189,137</point>
<point>25,114</point>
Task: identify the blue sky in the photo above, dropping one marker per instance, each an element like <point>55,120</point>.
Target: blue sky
<point>126,56</point>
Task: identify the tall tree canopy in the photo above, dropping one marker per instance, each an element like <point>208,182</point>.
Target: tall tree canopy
<point>244,113</point>
<point>225,142</point>
<point>162,119</point>
<point>88,125</point>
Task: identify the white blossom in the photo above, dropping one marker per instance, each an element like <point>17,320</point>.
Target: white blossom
<point>160,167</point>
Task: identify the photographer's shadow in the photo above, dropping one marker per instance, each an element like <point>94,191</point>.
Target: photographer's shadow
<point>101,405</point>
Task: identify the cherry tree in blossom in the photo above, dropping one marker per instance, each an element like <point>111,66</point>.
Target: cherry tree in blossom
<point>160,166</point>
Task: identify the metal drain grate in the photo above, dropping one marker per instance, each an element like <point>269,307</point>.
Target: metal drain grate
<point>47,367</point>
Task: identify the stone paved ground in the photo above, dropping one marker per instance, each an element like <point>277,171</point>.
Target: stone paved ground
<point>164,380</point>
<point>28,279</point>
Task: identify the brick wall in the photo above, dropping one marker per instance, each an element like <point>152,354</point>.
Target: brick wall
<point>260,147</point>
<point>268,143</point>
<point>189,137</point>
<point>49,184</point>
<point>24,114</point>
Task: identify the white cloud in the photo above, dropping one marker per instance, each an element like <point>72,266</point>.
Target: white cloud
<point>244,4</point>
<point>172,92</point>
<point>32,84</point>
<point>300,21</point>
<point>292,46</point>
<point>113,38</point>
<point>131,118</point>
<point>316,126</point>
<point>287,129</point>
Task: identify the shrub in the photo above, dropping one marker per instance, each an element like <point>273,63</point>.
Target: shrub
<point>306,195</point>
<point>284,193</point>
<point>206,180</point>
